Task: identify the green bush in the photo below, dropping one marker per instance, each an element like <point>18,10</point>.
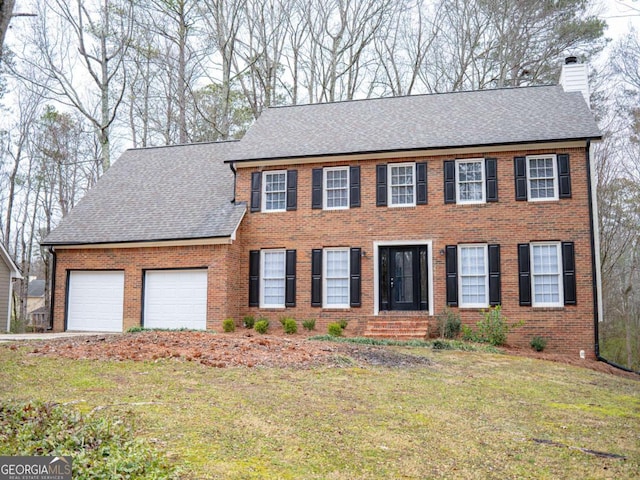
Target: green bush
<point>101,447</point>
<point>343,323</point>
<point>468,335</point>
<point>449,324</point>
<point>538,343</point>
<point>135,329</point>
<point>309,324</point>
<point>228,325</point>
<point>494,327</point>
<point>249,321</point>
<point>335,329</point>
<point>261,326</point>
<point>290,326</point>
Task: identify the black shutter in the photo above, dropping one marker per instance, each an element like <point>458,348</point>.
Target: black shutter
<point>290,279</point>
<point>316,277</point>
<point>524,274</point>
<point>355,284</point>
<point>316,188</point>
<point>256,191</point>
<point>564,176</point>
<point>569,273</point>
<point>421,183</point>
<point>491,174</point>
<point>381,185</point>
<point>452,275</point>
<point>354,186</point>
<point>495,291</point>
<point>254,278</point>
<point>449,181</point>
<point>520,174</point>
<point>292,189</point>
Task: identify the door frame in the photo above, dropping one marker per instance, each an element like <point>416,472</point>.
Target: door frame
<point>376,268</point>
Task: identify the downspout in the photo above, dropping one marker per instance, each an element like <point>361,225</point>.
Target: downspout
<point>53,286</point>
<point>235,175</point>
<point>595,268</point>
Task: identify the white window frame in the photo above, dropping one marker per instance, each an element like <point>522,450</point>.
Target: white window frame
<point>390,185</point>
<point>485,249</point>
<point>560,302</point>
<point>264,190</point>
<point>483,180</point>
<point>263,255</point>
<point>554,163</point>
<point>325,277</point>
<point>325,196</point>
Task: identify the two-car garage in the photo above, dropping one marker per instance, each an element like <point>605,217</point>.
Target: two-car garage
<point>172,299</point>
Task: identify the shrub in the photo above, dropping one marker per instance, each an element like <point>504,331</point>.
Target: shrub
<point>290,326</point>
<point>261,326</point>
<point>538,343</point>
<point>335,329</point>
<point>101,447</point>
<point>343,323</point>
<point>248,321</point>
<point>228,325</point>
<point>135,329</point>
<point>449,324</point>
<point>494,327</point>
<point>309,324</point>
<point>468,335</point>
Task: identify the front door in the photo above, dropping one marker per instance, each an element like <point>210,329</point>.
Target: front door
<point>403,278</point>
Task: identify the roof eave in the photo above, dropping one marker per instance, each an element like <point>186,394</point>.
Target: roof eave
<point>401,151</point>
<point>166,242</point>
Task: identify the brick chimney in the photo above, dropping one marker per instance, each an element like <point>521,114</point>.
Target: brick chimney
<point>575,77</point>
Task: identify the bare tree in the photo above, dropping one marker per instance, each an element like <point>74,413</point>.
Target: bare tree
<point>86,46</point>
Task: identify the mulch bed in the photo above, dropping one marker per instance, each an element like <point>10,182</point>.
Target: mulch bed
<point>249,349</point>
<point>222,350</point>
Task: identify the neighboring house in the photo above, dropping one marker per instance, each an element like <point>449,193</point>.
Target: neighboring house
<point>35,294</point>
<point>8,272</point>
<point>382,212</point>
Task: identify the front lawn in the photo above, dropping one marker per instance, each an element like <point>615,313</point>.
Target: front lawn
<point>463,415</point>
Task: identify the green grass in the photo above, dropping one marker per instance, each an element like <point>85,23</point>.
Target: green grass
<point>470,415</point>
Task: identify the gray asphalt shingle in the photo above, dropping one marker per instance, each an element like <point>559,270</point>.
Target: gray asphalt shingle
<point>475,118</point>
<point>164,193</point>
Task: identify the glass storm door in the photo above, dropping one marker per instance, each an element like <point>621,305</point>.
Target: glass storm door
<point>403,278</point>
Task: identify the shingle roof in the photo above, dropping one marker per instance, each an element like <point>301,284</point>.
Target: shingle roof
<point>475,118</point>
<point>153,194</point>
<point>36,288</point>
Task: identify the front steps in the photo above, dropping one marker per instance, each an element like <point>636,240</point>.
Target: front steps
<point>402,328</point>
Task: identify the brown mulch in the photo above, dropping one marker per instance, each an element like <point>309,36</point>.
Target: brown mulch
<point>249,349</point>
<point>576,361</point>
<point>223,350</point>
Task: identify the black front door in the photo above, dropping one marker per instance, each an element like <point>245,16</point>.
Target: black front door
<point>403,278</point>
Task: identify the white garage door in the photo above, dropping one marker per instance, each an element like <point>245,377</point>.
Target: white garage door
<point>175,299</point>
<point>95,301</point>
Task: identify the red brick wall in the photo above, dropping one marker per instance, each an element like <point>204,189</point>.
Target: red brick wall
<point>134,260</point>
<point>507,222</point>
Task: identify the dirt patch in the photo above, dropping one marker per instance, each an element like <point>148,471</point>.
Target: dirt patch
<point>571,360</point>
<point>222,350</point>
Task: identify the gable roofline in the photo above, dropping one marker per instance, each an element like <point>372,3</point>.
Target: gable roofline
<point>416,152</point>
<point>14,270</point>
<point>182,145</point>
<point>416,95</point>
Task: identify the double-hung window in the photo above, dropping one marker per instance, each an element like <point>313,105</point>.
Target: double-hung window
<point>272,294</point>
<point>402,184</point>
<point>470,181</point>
<point>542,178</point>
<point>473,276</point>
<point>336,188</point>
<point>546,274</point>
<point>275,191</point>
<point>336,278</point>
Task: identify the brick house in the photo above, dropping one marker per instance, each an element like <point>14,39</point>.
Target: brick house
<point>382,212</point>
